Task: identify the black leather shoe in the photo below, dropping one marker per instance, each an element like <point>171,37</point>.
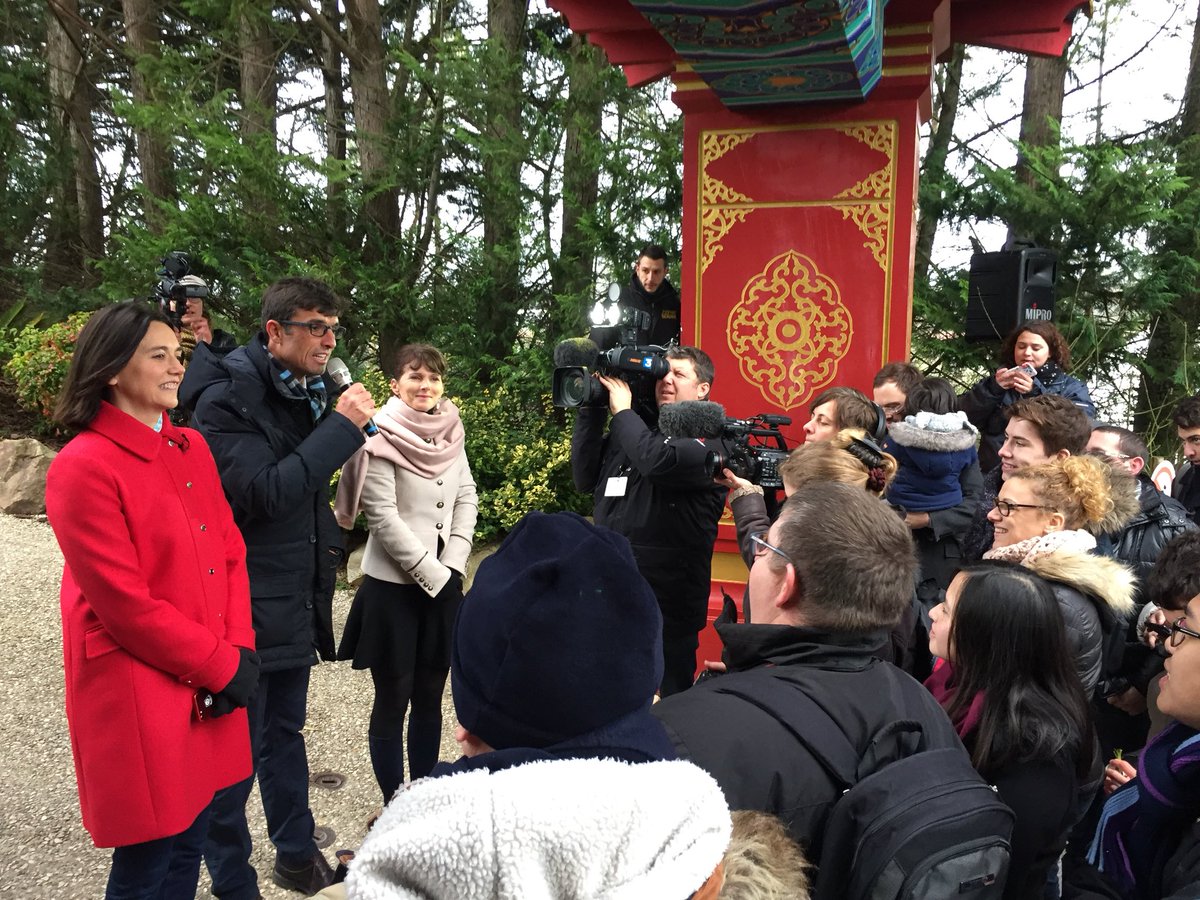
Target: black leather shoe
<point>308,878</point>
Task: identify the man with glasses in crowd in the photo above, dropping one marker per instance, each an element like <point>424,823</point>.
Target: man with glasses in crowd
<point>278,434</point>
<point>830,578</point>
<point>1159,518</point>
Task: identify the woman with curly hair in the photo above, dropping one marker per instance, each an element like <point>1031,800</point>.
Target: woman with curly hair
<point>1043,519</point>
<point>849,457</point>
<point>1037,359</point>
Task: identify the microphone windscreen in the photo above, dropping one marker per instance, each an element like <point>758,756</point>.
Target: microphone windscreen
<point>338,374</point>
<point>692,419</point>
<point>576,352</point>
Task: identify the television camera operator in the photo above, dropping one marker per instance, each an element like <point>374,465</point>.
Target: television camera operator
<point>180,296</point>
<point>652,485</point>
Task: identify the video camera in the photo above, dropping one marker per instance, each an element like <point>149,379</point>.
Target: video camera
<point>751,454</point>
<point>621,328</point>
<point>176,286</point>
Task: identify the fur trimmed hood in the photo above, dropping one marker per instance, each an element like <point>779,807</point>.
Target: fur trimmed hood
<point>1126,500</point>
<point>1097,576</point>
<point>908,435</point>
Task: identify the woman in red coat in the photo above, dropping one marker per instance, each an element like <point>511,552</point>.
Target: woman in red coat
<point>157,637</point>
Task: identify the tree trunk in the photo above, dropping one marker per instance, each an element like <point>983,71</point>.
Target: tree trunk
<point>500,194</point>
<point>573,271</point>
<point>372,125</point>
<point>142,40</point>
<point>1173,333</point>
<point>335,123</point>
<point>1041,113</point>
<point>76,232</point>
<point>259,92</point>
<point>933,167</point>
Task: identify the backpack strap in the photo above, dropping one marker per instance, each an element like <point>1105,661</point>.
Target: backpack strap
<point>787,701</point>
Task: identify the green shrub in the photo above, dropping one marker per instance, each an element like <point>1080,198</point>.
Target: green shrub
<point>38,364</point>
<point>521,458</point>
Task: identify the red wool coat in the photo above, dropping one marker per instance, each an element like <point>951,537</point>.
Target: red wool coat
<point>155,602</point>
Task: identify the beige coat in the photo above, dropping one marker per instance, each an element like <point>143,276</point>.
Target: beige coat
<point>407,513</point>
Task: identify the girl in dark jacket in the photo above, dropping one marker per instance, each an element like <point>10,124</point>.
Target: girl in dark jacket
<point>1038,358</point>
<point>1009,688</point>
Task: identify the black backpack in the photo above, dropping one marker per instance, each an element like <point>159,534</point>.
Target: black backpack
<point>911,823</point>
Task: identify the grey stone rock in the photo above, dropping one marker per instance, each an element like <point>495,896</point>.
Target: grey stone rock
<point>23,466</point>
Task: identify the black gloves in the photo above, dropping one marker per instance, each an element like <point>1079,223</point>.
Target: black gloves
<point>241,688</point>
<point>452,588</point>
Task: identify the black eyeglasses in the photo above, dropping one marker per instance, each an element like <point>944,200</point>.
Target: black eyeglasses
<point>1179,631</point>
<point>1006,507</point>
<point>759,541</point>
<point>316,328</point>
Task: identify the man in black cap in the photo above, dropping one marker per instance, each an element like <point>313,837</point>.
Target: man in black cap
<point>568,786</point>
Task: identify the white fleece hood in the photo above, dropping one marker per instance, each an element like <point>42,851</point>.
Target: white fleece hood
<point>577,828</point>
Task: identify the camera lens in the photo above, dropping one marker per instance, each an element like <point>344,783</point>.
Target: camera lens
<point>575,387</point>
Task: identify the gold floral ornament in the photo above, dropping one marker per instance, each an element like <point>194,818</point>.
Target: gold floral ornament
<point>790,330</point>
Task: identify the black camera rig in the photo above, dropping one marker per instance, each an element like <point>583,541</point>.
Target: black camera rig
<point>756,448</point>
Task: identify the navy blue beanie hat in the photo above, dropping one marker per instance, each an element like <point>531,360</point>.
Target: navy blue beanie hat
<point>558,636</point>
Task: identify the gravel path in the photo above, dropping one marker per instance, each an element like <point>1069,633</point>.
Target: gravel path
<point>47,854</point>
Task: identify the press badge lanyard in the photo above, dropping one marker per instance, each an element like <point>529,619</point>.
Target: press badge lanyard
<point>616,485</point>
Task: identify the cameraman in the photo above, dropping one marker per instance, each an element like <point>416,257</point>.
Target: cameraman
<point>648,291</point>
<point>655,490</point>
<point>184,309</point>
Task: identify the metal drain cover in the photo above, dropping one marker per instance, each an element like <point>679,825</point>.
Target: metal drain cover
<point>331,781</point>
<point>323,837</point>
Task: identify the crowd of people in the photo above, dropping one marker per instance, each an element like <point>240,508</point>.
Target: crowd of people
<point>971,618</point>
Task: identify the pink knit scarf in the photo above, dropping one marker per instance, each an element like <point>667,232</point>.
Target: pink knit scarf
<point>423,443</point>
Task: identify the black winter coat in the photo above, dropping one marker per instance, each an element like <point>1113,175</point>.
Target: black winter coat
<point>668,511</point>
<point>275,466</point>
<point>1158,520</point>
<point>1187,491</point>
<point>755,759</point>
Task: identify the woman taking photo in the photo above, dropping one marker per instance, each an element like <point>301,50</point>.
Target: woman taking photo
<point>1040,518</point>
<point>157,637</point>
<point>1008,687</point>
<point>414,484</point>
<point>1037,359</point>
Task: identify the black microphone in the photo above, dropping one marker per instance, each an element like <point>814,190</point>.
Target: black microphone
<point>576,352</point>
<point>692,419</point>
<point>341,378</point>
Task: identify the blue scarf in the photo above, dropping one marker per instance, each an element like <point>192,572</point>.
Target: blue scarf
<point>1142,820</point>
<point>312,389</point>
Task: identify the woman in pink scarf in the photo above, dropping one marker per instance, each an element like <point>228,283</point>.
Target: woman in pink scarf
<point>413,482</point>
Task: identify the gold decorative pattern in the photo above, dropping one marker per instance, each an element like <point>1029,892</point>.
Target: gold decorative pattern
<point>876,186</point>
<point>872,221</point>
<point>714,146</point>
<point>716,219</point>
<point>789,330</point>
<point>880,136</point>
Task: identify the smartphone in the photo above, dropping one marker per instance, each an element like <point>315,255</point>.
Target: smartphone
<point>1027,369</point>
<point>202,701</point>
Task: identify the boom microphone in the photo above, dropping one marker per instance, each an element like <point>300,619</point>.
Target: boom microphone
<point>341,378</point>
<point>692,419</point>
<point>576,352</point>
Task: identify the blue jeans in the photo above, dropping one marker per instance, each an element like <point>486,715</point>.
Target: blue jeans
<point>162,869</point>
<point>277,715</point>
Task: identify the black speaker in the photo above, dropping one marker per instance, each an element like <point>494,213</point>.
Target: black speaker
<point>1008,288</point>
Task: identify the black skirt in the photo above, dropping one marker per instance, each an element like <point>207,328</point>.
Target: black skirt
<point>396,627</point>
